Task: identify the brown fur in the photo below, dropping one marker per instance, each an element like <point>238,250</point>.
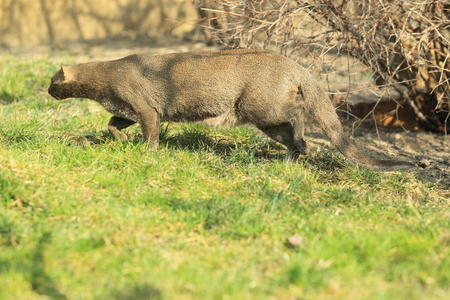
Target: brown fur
<point>261,88</point>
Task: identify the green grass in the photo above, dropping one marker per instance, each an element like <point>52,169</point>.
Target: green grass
<point>83,216</point>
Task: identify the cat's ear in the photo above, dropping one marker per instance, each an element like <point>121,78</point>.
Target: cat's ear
<point>67,73</point>
<point>60,75</point>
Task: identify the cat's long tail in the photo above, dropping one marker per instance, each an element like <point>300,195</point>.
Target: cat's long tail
<point>319,108</point>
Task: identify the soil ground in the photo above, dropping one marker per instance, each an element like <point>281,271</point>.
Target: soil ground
<point>429,151</point>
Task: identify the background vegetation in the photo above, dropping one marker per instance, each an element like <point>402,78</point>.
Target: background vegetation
<point>30,23</point>
<point>406,44</point>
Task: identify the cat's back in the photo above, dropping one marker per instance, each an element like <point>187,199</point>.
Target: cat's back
<point>237,62</point>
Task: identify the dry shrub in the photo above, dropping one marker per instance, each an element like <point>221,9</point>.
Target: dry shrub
<point>405,43</point>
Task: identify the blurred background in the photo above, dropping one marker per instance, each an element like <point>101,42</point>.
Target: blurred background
<point>28,23</point>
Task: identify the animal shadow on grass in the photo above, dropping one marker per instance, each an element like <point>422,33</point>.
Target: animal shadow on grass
<point>40,281</point>
<point>142,291</point>
<point>324,160</point>
<point>197,140</point>
<point>193,140</point>
<point>7,98</point>
<point>99,138</point>
<point>223,147</point>
<point>94,138</point>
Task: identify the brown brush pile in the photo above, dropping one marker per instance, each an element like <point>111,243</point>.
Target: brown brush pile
<point>405,43</point>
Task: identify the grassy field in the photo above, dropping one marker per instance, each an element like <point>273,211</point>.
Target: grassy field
<point>83,216</point>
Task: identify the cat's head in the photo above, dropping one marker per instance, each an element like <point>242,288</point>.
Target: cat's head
<point>62,84</point>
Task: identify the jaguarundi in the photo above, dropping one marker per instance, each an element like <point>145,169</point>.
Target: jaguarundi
<point>265,89</point>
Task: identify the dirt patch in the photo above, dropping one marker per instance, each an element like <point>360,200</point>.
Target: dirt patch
<point>348,81</point>
<point>428,151</point>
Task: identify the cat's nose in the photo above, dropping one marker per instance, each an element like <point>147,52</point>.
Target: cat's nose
<point>51,91</point>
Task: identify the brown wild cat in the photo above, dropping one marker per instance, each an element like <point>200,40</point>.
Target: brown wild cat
<point>268,90</point>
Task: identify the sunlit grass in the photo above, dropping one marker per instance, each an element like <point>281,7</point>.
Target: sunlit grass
<point>83,216</point>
